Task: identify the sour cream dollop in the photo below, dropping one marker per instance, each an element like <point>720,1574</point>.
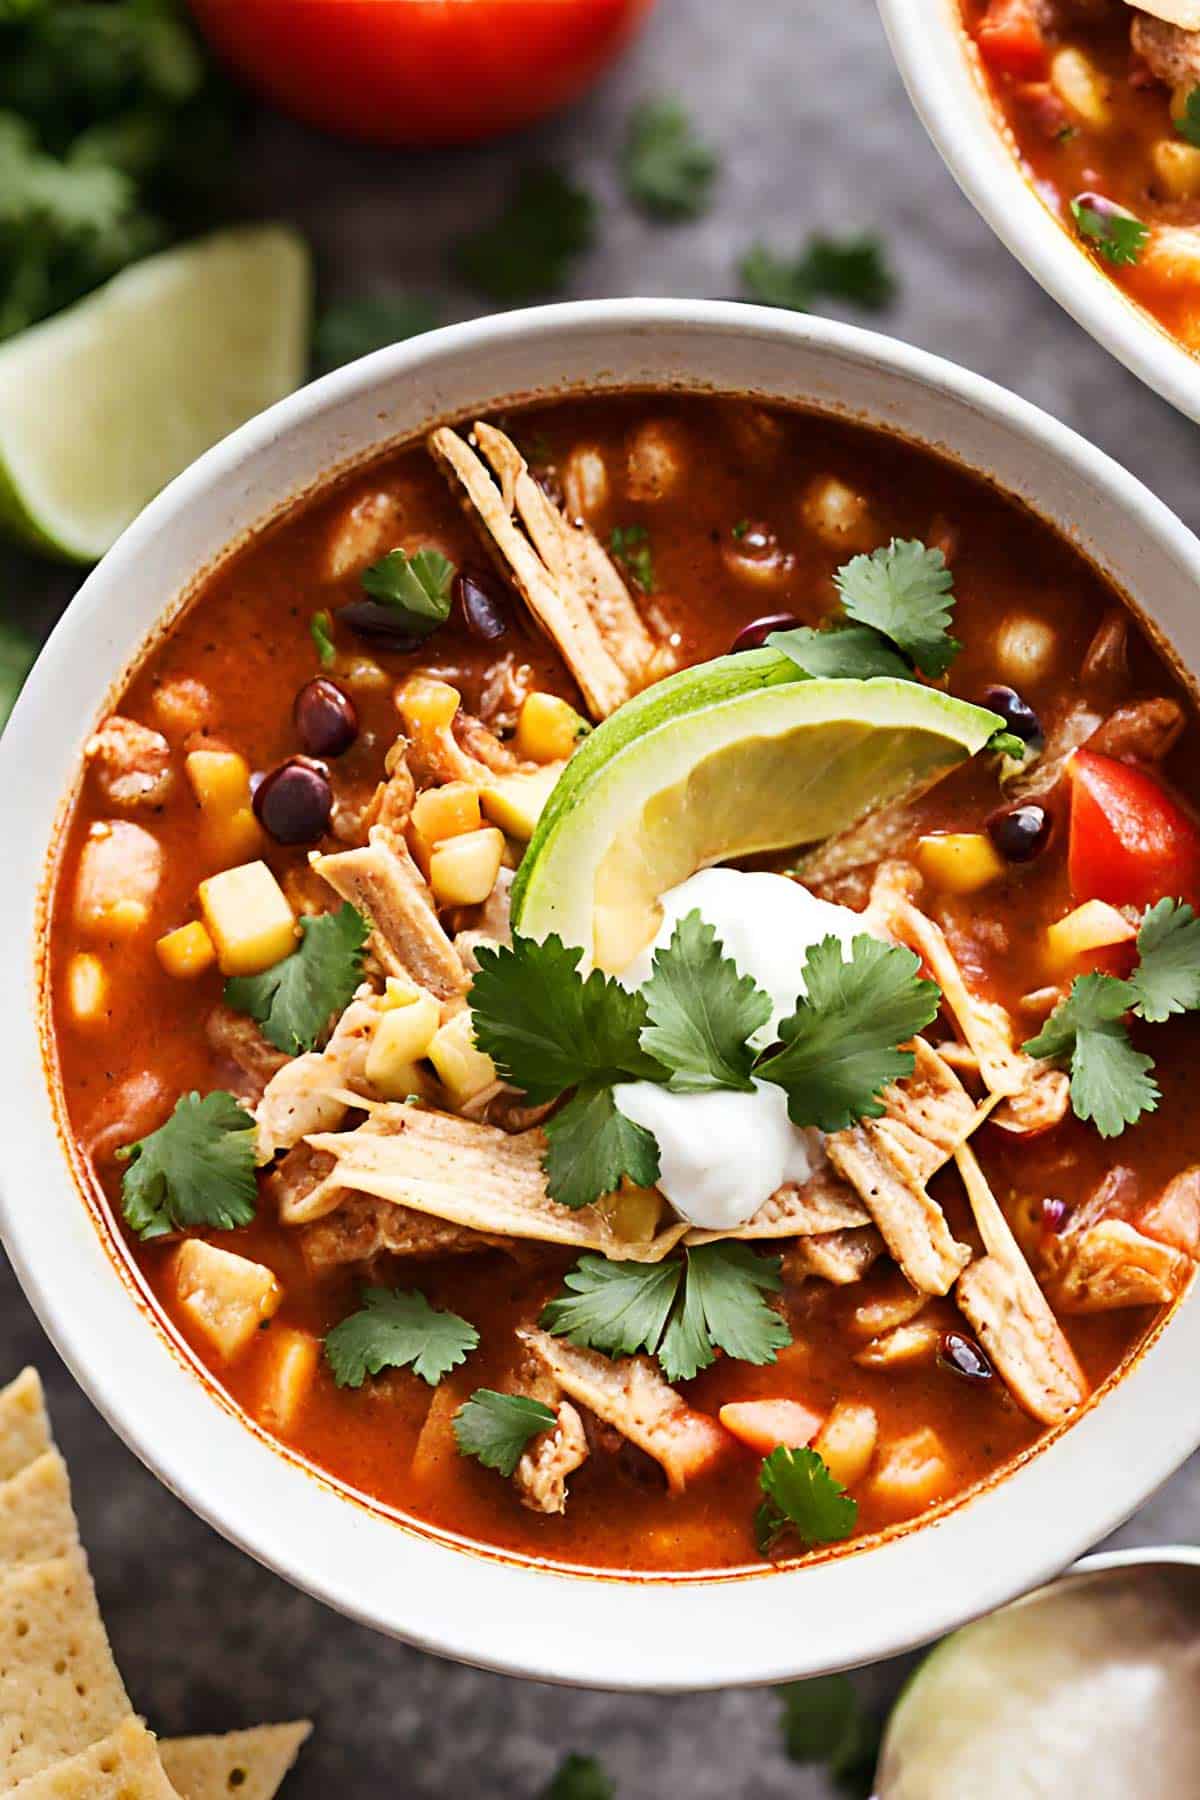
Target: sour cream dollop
<point>723,1153</point>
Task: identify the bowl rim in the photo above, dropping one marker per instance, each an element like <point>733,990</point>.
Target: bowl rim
<point>933,53</point>
<point>620,1632</point>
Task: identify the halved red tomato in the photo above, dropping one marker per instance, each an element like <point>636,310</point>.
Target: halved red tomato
<point>1010,40</point>
<point>1131,842</point>
<point>419,71</point>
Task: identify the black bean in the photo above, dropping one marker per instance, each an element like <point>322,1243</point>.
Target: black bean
<point>1020,832</point>
<point>1018,715</point>
<point>325,718</point>
<point>294,802</point>
<point>754,635</point>
<point>380,625</point>
<point>963,1356</point>
<point>482,603</point>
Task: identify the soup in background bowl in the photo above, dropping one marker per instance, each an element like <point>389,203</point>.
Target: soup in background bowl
<point>617,977</point>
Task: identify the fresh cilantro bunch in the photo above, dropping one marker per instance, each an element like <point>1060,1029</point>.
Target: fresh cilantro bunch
<point>295,1001</point>
<point>1112,1083</point>
<point>853,269</point>
<point>691,1027</point>
<point>668,170</point>
<point>196,1170</point>
<point>397,1329</point>
<point>682,1310</point>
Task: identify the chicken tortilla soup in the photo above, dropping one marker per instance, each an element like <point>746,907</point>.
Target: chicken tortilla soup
<point>628,977</point>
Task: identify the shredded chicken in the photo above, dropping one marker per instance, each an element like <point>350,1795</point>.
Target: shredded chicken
<point>470,1174</point>
<point>1172,53</point>
<point>308,1094</point>
<point>559,568</point>
<point>131,763</point>
<point>360,1229</point>
<point>541,1475</point>
<point>840,1257</point>
<point>1112,1265</point>
<point>630,1394</point>
<point>822,1205</point>
<point>384,882</point>
<point>903,1344</point>
<point>250,1060</point>
<point>1010,1314</point>
<point>1173,1217</point>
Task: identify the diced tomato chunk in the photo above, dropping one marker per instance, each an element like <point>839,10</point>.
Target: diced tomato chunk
<point>1131,842</point>
<point>766,1425</point>
<point>1010,40</point>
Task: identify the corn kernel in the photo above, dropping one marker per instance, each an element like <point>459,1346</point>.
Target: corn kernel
<point>289,1375</point>
<point>634,1212</point>
<point>399,990</point>
<point>515,802</point>
<point>187,951</point>
<point>846,1441</point>
<point>463,1070</point>
<point>959,862</point>
<point>1093,926</point>
<point>227,1297</point>
<point>1080,85</point>
<point>1177,167</point>
<point>248,918</point>
<point>427,705</point>
<point>463,870</point>
<point>548,729</point>
<point>402,1035</point>
<point>87,988</point>
<point>235,839</point>
<point>446,812</point>
<point>220,780</point>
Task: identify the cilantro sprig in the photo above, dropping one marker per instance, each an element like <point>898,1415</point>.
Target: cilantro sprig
<point>591,1148</point>
<point>824,1721</point>
<point>349,329</point>
<point>196,1170</point>
<point>495,1428</point>
<point>295,1001</point>
<point>1115,234</point>
<point>682,1310</point>
<point>702,1012</point>
<point>1187,123</point>
<point>580,1778</point>
<point>320,628</point>
<point>415,589</point>
<point>630,545</point>
<point>397,1329</point>
<point>548,221</point>
<point>852,269</point>
<point>668,170</point>
<point>1112,1083</point>
<point>897,604</point>
<point>801,1498</point>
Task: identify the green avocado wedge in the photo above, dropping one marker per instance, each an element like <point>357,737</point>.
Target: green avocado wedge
<point>731,758</point>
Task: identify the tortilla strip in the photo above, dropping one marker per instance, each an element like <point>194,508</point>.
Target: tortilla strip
<point>249,1764</point>
<point>37,1520</point>
<point>559,569</point>
<point>383,882</point>
<point>24,1427</point>
<point>471,1174</point>
<point>59,1687</point>
<point>123,1766</point>
<point>822,1205</point>
<point>886,1164</point>
<point>629,1393</point>
<point>362,1228</point>
<point>1010,1314</point>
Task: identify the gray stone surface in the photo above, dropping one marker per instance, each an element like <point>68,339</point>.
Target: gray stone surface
<point>815,131</point>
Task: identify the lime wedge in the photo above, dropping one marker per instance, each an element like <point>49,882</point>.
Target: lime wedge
<point>728,759</point>
<point>1087,1687</point>
<point>101,405</point>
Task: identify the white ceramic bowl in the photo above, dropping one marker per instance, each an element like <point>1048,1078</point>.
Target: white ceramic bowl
<point>945,85</point>
<point>606,1631</point>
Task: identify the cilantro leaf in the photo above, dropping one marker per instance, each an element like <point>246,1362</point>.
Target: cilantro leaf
<point>197,1169</point>
<point>724,1309</point>
<point>17,655</point>
<point>321,628</point>
<point>296,999</point>
<point>905,591</point>
<point>701,1012</point>
<point>841,652</point>
<point>617,1307</point>
<point>395,1329</point>
<point>1111,1083</point>
<point>580,1778</point>
<point>1187,123</point>
<point>1167,978</point>
<point>352,328</point>
<point>546,1029</point>
<point>495,1428</point>
<point>528,250</point>
<point>630,544</point>
<point>852,269</point>
<point>1117,235</point>
<point>591,1147</point>
<point>621,1308</point>
<point>841,1045</point>
<point>416,587</point>
<point>824,1721</point>
<point>800,1495</point>
<point>668,170</point>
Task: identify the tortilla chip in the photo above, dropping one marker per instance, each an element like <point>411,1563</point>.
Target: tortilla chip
<point>123,1766</point>
<point>37,1520</point>
<point>59,1687</point>
<point>24,1427</point>
<point>250,1764</point>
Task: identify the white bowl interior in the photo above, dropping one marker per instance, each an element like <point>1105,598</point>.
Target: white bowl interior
<point>936,62</point>
<point>610,1632</point>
